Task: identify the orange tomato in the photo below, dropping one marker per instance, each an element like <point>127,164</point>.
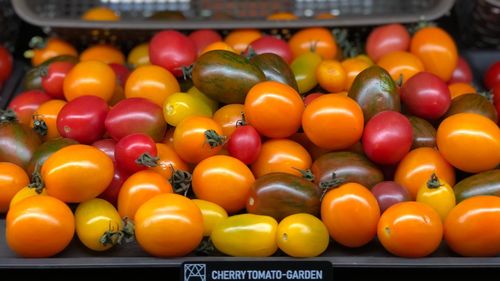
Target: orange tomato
<point>352,67</point>
<point>39,227</point>
<point>333,121</point>
<point>218,46</point>
<point>223,180</point>
<point>461,88</point>
<point>168,160</point>
<point>12,179</point>
<point>418,165</point>
<point>192,140</point>
<point>24,193</point>
<point>239,39</point>
<point>351,213</point>
<point>410,229</point>
<point>52,47</point>
<point>169,225</point>
<point>471,228</point>
<point>139,55</point>
<point>437,51</point>
<point>331,76</point>
<point>151,82</point>
<point>100,14</point>
<point>92,78</point>
<point>282,16</point>
<point>281,155</point>
<point>401,64</point>
<point>139,188</point>
<point>227,117</point>
<point>104,53</point>
<point>274,109</point>
<point>317,39</point>
<point>47,114</point>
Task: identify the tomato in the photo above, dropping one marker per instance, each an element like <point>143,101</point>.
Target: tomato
<point>401,65</point>
<point>407,224</point>
<point>77,173</point>
<point>197,138</point>
<point>460,88</point>
<point>138,189</point>
<point>107,54</point>
<point>470,142</point>
<point>214,105</point>
<point>304,68</point>
<point>417,166</point>
<point>111,192</point>
<point>228,116</point>
<point>271,44</point>
<point>462,72</point>
<point>275,69</point>
<point>48,217</point>
<point>139,56</point>
<point>316,39</point>
<point>82,119</point>
<point>45,117</point>
<point>98,224</point>
<point>135,115</point>
<point>6,63</point>
<point>302,236</point>
<point>351,213</point>
<point>333,113</point>
<point>472,103</point>
<point>426,96</point>
<point>331,76</point>
<point>437,51</point>
<point>24,193</point>
<point>204,37</point>
<point>26,103</point>
<point>92,78</point>
<point>240,39</point>
<point>178,106</point>
<point>281,155</point>
<point>245,144</point>
<point>212,215</point>
<point>353,67</point>
<point>107,146</point>
<point>122,73</point>
<point>168,161</point>
<point>309,98</point>
<point>12,179</point>
<point>172,51</point>
<point>223,180</point>
<point>17,141</point>
<point>258,232</point>
<point>169,225</point>
<point>386,39</point>
<point>53,81</point>
<point>151,82</point>
<point>100,14</point>
<point>45,150</point>
<point>282,16</point>
<point>389,193</point>
<point>470,228</point>
<point>485,183</point>
<point>387,137</point>
<point>424,134</point>
<point>135,152</point>
<point>169,137</point>
<point>45,49</point>
<point>437,194</point>
<point>274,109</point>
<point>219,45</point>
<point>492,75</point>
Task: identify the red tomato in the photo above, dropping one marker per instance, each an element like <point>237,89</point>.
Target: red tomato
<point>386,39</point>
<point>5,64</point>
<point>270,44</point>
<point>462,72</point>
<point>172,50</point>
<point>204,37</point>
<point>26,103</point>
<point>121,72</point>
<point>135,152</point>
<point>244,144</point>
<point>52,83</point>
<point>492,76</point>
<point>111,193</point>
<point>309,98</point>
<point>107,146</point>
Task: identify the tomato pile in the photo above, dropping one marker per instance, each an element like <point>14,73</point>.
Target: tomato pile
<point>251,143</point>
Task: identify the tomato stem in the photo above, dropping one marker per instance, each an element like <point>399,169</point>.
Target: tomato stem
<point>187,71</point>
<point>329,184</point>
<point>214,139</point>
<point>147,160</point>
<point>250,53</point>
<point>7,116</point>
<point>39,125</point>
<point>206,247</point>
<point>400,80</point>
<point>180,181</point>
<point>487,94</point>
<point>306,174</point>
<point>37,42</point>
<point>242,121</point>
<point>433,182</point>
<point>36,179</point>
<point>117,237</point>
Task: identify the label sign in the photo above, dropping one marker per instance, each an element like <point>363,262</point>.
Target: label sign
<point>257,270</point>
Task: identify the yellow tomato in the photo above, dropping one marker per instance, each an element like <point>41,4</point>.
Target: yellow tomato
<point>437,194</point>
<point>212,215</point>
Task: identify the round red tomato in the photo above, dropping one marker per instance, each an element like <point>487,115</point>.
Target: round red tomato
<point>172,50</point>
<point>270,44</point>
<point>244,144</point>
<point>135,152</point>
<point>53,81</point>
<point>5,64</point>
<point>492,76</point>
<point>107,146</point>
<point>111,193</point>
<point>26,103</point>
<point>386,39</point>
<point>204,37</point>
<point>121,71</point>
<point>462,72</point>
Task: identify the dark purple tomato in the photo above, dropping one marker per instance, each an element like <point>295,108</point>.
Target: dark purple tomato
<point>122,72</point>
<point>426,95</point>
<point>172,50</point>
<point>53,79</point>
<point>472,103</point>
<point>18,142</point>
<point>386,39</point>
<point>26,103</point>
<point>135,152</point>
<point>389,193</point>
<point>5,64</point>
<point>462,72</point>
<point>424,134</point>
<point>492,75</point>
<point>107,146</point>
<point>112,191</point>
<point>271,44</point>
<point>244,144</point>
<point>387,137</point>
<point>82,119</point>
<point>204,37</point>
<point>136,115</point>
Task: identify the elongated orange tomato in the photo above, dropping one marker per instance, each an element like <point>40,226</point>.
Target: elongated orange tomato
<point>12,179</point>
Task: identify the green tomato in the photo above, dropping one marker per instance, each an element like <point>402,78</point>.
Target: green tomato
<point>304,68</point>
<point>178,106</point>
<point>214,105</point>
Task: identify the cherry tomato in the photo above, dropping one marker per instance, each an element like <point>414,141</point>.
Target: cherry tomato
<point>352,67</point>
<point>407,224</point>
<point>24,193</point>
<point>135,152</point>
<point>168,161</point>
<point>122,73</point>
<point>139,55</point>
<point>228,116</point>
<point>437,194</point>
<point>18,142</point>
<point>492,76</point>
<point>304,68</point>
<point>462,72</point>
<point>178,106</point>
<point>387,39</point>
<point>223,180</point>
<point>470,142</point>
<point>46,149</point>
<point>151,82</point>
<point>333,113</point>
<point>219,45</point>
<point>302,236</point>
<point>82,119</point>
<point>6,63</point>
<point>270,44</point>
<point>172,50</point>
<point>92,78</point>
<point>389,193</point>
<point>274,109</point>
<point>105,53</point>
<point>48,217</point>
<point>12,179</point>
<point>45,117</point>
<point>331,76</point>
<point>460,88</point>
<point>309,98</point>
<point>138,189</point>
<point>475,217</point>
<point>401,64</point>
<point>316,39</point>
<point>240,39</point>
<point>107,146</point>
<point>169,225</point>
<point>244,144</point>
<point>100,14</point>
<point>52,83</point>
<point>111,192</point>
<point>26,103</point>
<point>437,51</point>
<point>426,96</point>
<point>212,215</point>
<point>204,37</point>
<point>49,48</point>
<point>193,91</point>
<point>351,213</point>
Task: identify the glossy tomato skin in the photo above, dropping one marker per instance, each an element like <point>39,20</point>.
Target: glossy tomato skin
<point>49,217</point>
<point>244,144</point>
<point>45,150</point>
<point>169,161</point>
<point>17,143</point>
<point>387,137</point>
<point>5,64</point>
<point>472,103</point>
<point>122,73</point>
<point>52,83</point>
<point>424,134</point>
<point>275,69</point>
<point>111,192</point>
<point>90,78</point>
<point>204,37</point>
<point>462,72</point>
<point>12,179</point>
<point>389,193</point>
<point>82,119</point>
<point>426,96</point>
<point>53,47</point>
<point>437,194</point>
<point>492,76</point>
<point>386,39</point>
<point>475,217</point>
<point>270,44</point>
<point>172,50</point>
<point>139,56</point>
<point>304,69</point>
<point>212,215</point>
<point>401,65</point>
<point>485,183</point>
<point>321,39</point>
<point>24,193</point>
<point>131,149</point>
<point>44,119</point>
<point>107,146</point>
<point>239,39</point>
<point>105,53</point>
<point>26,103</point>
<point>178,106</point>
<point>228,116</point>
